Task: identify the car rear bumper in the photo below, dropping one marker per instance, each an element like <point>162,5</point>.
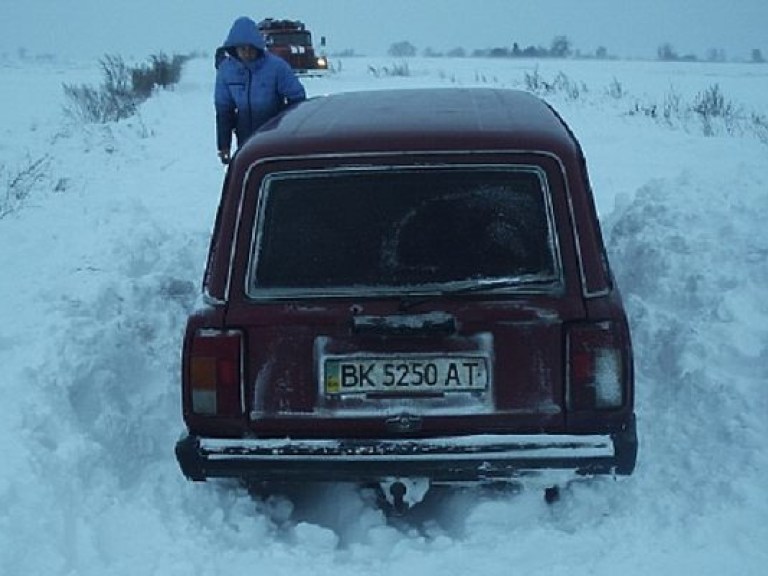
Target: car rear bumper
<point>451,459</point>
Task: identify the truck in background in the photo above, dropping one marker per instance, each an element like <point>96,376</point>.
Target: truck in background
<point>292,41</point>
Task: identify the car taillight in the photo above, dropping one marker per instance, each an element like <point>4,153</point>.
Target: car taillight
<point>597,367</point>
<point>215,372</point>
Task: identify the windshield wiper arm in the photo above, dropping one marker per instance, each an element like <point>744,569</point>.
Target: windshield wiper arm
<point>471,286</point>
<point>468,286</point>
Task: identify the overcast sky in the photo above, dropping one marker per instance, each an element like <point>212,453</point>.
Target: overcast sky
<point>630,28</point>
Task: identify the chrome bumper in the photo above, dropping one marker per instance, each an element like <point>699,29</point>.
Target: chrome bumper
<point>448,459</point>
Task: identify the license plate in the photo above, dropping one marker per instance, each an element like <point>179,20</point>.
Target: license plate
<point>397,375</point>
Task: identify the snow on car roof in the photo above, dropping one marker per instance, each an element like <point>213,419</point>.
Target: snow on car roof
<point>416,120</point>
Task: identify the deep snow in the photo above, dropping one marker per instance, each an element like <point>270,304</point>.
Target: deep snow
<point>101,261</point>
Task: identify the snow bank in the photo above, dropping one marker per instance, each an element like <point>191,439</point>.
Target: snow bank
<point>99,273</point>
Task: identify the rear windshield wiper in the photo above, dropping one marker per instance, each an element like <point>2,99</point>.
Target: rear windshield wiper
<point>490,284</point>
<point>471,286</point>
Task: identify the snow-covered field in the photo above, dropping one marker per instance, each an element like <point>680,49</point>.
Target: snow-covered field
<point>102,246</point>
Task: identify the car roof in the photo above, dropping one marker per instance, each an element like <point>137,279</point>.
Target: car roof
<point>428,119</point>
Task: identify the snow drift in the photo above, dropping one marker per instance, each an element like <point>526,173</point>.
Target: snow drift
<point>101,263</point>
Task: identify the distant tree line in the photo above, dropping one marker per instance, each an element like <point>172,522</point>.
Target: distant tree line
<point>667,53</point>
<point>560,47</point>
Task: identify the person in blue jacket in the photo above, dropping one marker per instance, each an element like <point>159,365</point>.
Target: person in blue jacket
<point>252,86</point>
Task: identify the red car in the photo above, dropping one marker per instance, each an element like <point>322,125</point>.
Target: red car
<point>407,288</point>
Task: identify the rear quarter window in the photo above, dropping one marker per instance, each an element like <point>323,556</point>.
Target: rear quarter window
<point>386,230</point>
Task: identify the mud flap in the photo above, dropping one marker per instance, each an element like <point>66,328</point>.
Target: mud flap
<point>625,447</point>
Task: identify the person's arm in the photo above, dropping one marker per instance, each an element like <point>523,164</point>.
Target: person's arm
<point>288,85</point>
<point>226,116</point>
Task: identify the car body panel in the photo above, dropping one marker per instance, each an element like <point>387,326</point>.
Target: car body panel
<point>388,366</point>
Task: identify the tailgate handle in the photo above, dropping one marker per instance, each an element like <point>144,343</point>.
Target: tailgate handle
<point>432,324</point>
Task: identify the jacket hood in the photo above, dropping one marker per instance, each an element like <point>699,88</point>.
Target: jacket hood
<point>244,32</point>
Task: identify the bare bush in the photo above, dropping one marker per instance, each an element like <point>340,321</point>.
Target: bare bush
<point>114,100</point>
<point>124,88</point>
<point>482,78</point>
<point>759,126</point>
<point>572,89</point>
<point>711,106</point>
<point>167,69</point>
<point>400,69</point>
<point>616,89</point>
<point>143,81</point>
<point>561,83</point>
<point>534,82</point>
<point>162,71</point>
<point>711,109</point>
<point>673,108</point>
<point>20,184</point>
<point>649,109</point>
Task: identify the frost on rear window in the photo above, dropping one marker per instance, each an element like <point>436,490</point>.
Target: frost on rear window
<point>389,229</point>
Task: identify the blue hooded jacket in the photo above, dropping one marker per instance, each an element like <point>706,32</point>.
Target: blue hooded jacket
<point>248,94</point>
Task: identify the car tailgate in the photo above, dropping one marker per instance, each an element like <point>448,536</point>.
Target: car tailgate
<point>338,370</point>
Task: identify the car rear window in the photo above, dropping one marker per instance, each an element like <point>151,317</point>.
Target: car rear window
<point>395,228</point>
